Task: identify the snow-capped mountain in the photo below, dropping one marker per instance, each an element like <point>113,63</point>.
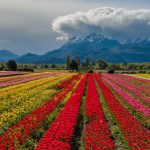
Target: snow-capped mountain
<point>94,46</point>
<point>93,40</point>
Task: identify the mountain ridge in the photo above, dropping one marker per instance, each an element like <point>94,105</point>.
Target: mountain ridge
<point>94,46</point>
<point>6,55</point>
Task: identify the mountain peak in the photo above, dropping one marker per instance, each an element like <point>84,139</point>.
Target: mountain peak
<point>93,38</point>
<point>90,37</point>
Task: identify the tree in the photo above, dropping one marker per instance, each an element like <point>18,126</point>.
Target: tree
<point>45,66</point>
<point>83,65</point>
<point>114,66</point>
<point>11,65</point>
<point>68,62</point>
<point>132,66</point>
<point>146,67</point>
<point>53,66</point>
<point>2,66</point>
<point>102,64</point>
<point>87,62</point>
<point>73,65</point>
<point>78,61</point>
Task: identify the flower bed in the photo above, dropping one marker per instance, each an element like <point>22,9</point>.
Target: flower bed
<point>139,107</point>
<point>18,133</point>
<point>136,135</point>
<point>97,135</point>
<point>61,130</point>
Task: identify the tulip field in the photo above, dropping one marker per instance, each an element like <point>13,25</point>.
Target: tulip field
<point>74,111</point>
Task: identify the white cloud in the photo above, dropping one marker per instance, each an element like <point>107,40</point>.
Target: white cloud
<point>63,37</point>
<point>119,23</point>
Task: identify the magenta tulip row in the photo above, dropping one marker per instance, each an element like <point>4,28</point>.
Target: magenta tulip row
<point>139,107</point>
<point>136,90</point>
<point>143,88</point>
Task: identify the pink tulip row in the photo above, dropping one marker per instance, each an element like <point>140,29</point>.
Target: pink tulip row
<point>10,73</point>
<point>18,133</point>
<point>142,83</point>
<point>129,87</point>
<point>132,82</point>
<point>61,130</point>
<point>129,99</point>
<point>97,135</point>
<point>136,80</point>
<point>22,79</point>
<point>135,134</point>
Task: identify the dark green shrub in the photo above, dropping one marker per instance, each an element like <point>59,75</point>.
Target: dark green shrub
<point>111,71</point>
<point>26,69</point>
<point>11,65</point>
<point>90,71</point>
<point>133,72</point>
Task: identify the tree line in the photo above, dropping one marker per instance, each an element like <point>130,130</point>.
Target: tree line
<point>75,64</point>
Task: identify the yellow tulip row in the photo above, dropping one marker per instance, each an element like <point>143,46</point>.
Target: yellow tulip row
<point>12,91</point>
<point>143,75</point>
<point>18,101</point>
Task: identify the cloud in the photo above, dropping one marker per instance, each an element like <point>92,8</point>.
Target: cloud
<point>119,23</point>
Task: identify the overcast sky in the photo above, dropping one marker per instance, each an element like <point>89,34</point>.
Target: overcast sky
<point>36,26</point>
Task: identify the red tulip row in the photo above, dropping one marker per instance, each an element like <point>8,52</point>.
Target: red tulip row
<point>61,130</point>
<point>66,82</point>
<point>97,135</point>
<point>4,82</point>
<point>18,133</point>
<point>136,135</point>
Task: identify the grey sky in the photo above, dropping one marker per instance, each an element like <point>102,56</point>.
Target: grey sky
<point>25,25</point>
